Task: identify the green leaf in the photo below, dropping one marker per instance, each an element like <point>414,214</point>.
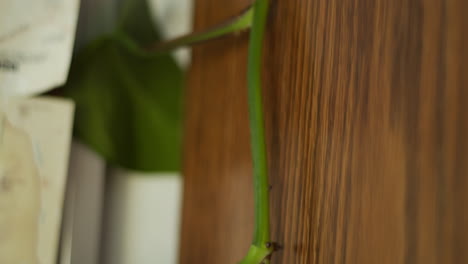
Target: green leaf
<point>128,101</point>
<point>128,104</point>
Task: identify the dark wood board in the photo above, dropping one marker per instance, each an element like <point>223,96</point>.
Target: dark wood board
<point>366,106</point>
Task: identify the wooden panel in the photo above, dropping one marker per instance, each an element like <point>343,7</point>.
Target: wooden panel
<point>367,119</point>
<point>218,197</point>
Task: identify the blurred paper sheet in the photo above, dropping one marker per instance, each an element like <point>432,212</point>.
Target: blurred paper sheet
<point>36,42</point>
<point>34,151</point>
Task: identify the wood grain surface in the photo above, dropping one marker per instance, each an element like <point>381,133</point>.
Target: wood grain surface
<point>366,107</point>
<point>217,221</point>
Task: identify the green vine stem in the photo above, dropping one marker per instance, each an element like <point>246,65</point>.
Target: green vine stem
<point>234,25</point>
<point>261,248</point>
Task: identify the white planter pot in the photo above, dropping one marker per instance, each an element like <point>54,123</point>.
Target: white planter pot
<point>142,216</point>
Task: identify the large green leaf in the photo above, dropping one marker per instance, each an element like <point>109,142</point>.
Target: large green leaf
<point>128,101</point>
<point>128,104</point>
